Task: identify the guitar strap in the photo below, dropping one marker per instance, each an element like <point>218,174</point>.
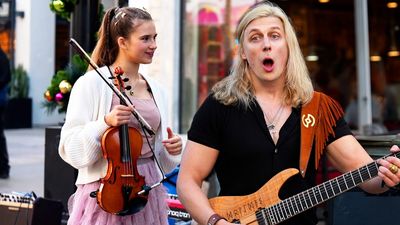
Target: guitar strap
<point>318,118</point>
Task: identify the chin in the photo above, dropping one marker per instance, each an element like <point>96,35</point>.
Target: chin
<point>147,61</point>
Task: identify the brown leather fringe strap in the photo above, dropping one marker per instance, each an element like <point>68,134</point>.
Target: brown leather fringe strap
<point>318,118</point>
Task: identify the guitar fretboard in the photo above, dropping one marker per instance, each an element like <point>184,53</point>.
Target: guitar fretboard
<point>307,199</point>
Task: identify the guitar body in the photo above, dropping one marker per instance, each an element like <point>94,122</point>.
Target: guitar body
<point>265,207</point>
<point>243,208</point>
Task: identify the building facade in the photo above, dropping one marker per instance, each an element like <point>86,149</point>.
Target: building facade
<point>351,48</point>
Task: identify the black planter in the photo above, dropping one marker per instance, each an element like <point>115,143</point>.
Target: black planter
<point>18,113</point>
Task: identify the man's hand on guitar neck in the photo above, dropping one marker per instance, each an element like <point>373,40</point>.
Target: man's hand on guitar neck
<point>389,168</point>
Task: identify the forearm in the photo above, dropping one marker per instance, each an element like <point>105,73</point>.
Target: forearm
<point>195,201</point>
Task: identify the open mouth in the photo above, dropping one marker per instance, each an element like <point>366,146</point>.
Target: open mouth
<point>268,64</point>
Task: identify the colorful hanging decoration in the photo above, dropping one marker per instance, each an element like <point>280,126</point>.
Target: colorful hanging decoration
<point>57,93</point>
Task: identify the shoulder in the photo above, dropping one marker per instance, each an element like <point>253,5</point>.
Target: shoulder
<point>154,84</point>
<point>92,78</point>
<point>212,102</point>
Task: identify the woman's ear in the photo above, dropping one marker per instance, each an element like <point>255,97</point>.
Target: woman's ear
<point>122,43</point>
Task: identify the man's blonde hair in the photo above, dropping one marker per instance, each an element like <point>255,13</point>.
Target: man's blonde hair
<point>237,87</point>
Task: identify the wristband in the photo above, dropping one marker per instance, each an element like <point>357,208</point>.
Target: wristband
<point>214,218</point>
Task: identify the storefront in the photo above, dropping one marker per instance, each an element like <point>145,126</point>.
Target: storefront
<point>7,12</point>
<point>329,37</point>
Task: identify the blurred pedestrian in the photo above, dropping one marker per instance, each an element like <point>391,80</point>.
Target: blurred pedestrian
<point>5,77</point>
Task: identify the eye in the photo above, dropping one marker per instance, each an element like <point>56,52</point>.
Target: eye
<point>275,36</point>
<point>255,37</point>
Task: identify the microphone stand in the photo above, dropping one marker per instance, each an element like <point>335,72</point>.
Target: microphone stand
<point>123,99</point>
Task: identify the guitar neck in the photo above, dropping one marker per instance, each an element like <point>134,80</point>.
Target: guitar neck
<point>305,200</point>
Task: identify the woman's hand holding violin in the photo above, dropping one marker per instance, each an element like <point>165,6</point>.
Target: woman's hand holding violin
<point>118,116</point>
<point>173,144</point>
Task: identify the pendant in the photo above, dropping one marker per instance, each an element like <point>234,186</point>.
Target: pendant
<point>271,127</point>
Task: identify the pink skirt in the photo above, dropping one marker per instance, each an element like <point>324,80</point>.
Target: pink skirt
<point>84,209</point>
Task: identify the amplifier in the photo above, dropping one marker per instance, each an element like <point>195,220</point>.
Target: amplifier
<point>357,207</point>
<point>20,210</point>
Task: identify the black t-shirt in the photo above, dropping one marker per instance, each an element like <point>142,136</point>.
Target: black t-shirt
<point>248,157</point>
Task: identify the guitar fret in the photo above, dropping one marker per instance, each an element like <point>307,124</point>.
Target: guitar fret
<point>322,193</point>
<point>270,216</point>
<point>310,198</point>
<point>336,187</point>
<point>359,172</point>
<point>352,178</point>
<point>296,202</point>
<point>294,206</point>
<point>280,213</point>
<point>315,195</point>
<point>338,184</point>
<point>368,172</point>
<point>284,209</point>
<point>276,213</point>
<point>342,183</point>
<point>328,191</point>
<point>345,182</point>
<point>305,200</point>
<point>261,217</point>
<point>287,201</point>
<point>300,201</point>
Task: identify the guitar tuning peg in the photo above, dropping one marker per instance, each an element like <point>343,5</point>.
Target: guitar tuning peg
<point>128,87</point>
<point>126,79</point>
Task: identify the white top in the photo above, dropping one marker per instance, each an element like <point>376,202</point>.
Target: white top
<point>80,141</point>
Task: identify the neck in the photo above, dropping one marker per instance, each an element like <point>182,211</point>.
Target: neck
<point>269,96</point>
<point>131,70</point>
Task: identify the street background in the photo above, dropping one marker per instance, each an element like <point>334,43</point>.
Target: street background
<point>26,154</point>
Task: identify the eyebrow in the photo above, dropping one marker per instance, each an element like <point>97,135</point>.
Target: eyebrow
<point>271,28</point>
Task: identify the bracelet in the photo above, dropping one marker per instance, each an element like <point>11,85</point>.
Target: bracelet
<point>214,218</point>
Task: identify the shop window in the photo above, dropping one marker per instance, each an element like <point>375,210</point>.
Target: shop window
<point>6,30</point>
<point>62,43</point>
<point>326,34</point>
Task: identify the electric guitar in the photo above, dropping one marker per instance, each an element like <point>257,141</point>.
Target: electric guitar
<point>265,207</point>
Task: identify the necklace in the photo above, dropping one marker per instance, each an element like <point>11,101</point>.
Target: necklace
<point>272,124</point>
<point>132,86</point>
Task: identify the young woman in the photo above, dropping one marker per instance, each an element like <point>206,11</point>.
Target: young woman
<point>127,38</point>
<point>263,119</point>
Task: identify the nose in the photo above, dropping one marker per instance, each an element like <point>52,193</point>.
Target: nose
<point>267,45</point>
<point>153,45</point>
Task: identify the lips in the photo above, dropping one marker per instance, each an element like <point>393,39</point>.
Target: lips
<point>268,64</point>
<point>150,54</point>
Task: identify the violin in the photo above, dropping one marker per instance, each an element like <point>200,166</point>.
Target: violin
<point>121,190</point>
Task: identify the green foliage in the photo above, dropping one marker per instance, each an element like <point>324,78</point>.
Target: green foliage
<point>63,8</point>
<point>57,97</point>
<point>19,84</point>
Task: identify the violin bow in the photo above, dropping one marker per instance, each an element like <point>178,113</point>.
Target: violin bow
<point>123,99</point>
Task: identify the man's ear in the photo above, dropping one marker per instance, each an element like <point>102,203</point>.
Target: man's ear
<point>241,52</point>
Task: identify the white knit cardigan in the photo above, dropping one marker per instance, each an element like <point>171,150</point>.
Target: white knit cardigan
<point>80,141</point>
